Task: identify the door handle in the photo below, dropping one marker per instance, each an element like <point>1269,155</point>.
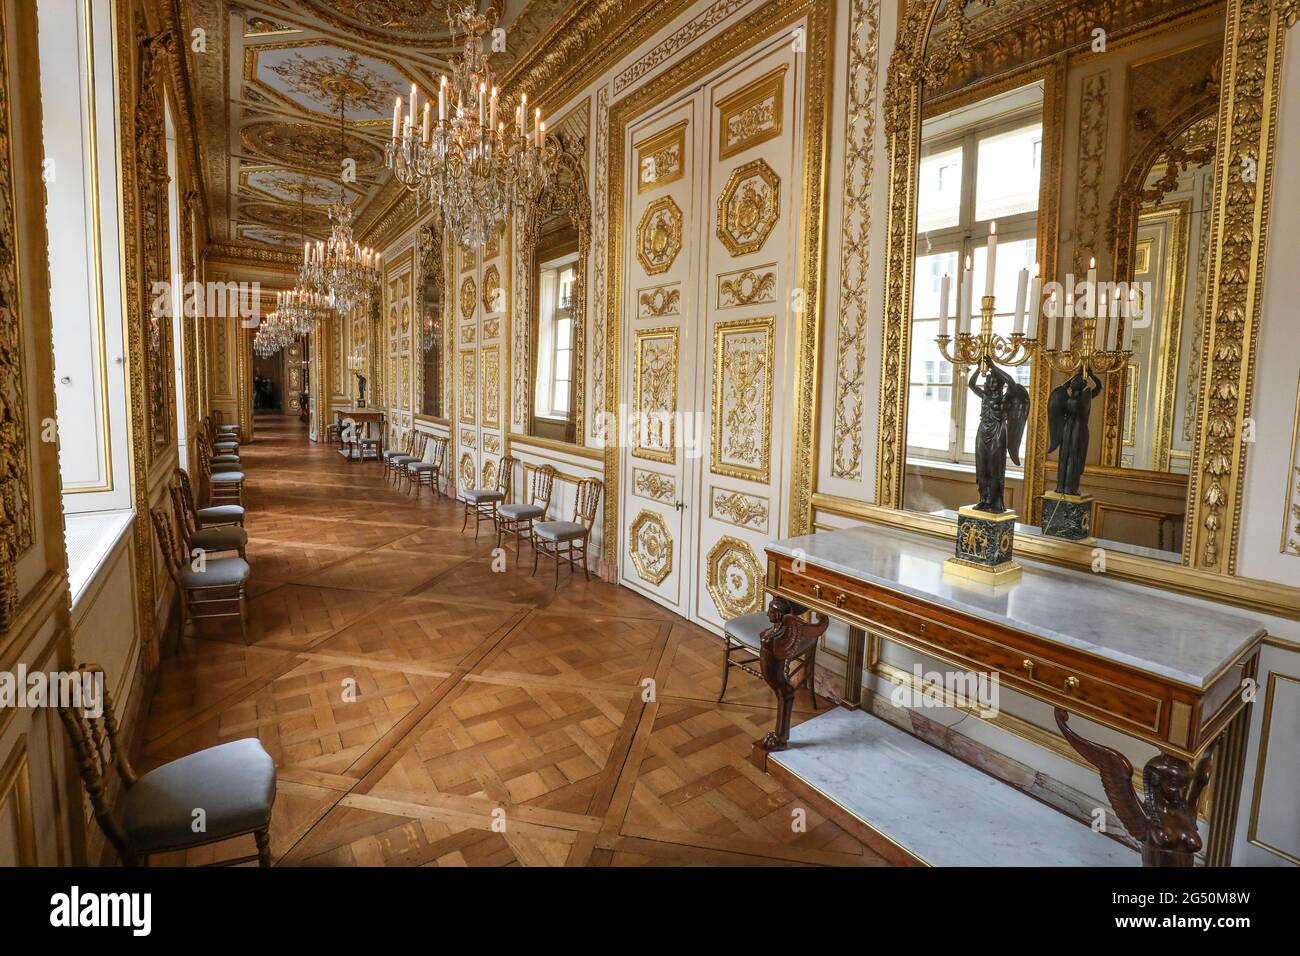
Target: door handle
<point>680,506</point>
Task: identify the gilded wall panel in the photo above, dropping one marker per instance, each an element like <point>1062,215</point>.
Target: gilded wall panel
<point>855,239</point>
<point>743,353</point>
<point>654,394</point>
<point>491,378</point>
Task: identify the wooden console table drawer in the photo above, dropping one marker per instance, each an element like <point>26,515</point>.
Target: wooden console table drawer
<point>1130,701</point>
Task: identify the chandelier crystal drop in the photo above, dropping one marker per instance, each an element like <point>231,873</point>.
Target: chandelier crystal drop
<point>478,169</point>
<point>341,271</point>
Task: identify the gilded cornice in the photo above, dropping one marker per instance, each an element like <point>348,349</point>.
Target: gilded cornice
<point>586,42</point>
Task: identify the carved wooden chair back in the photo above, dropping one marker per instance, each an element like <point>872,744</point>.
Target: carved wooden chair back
<point>165,532</point>
<point>543,480</point>
<point>187,491</point>
<point>585,501</point>
<point>184,511</point>
<point>439,452</point>
<point>97,747</point>
<point>505,475</point>
<point>419,444</point>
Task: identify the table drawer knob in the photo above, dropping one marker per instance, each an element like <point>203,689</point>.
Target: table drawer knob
<point>1071,684</point>
<point>1028,666</point>
<point>840,599</point>
<point>817,591</point>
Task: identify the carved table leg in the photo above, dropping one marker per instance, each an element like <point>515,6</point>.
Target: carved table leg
<point>787,639</point>
<point>1164,820</point>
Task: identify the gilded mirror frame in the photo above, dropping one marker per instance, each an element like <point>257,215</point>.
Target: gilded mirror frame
<point>1251,79</point>
<point>432,257</point>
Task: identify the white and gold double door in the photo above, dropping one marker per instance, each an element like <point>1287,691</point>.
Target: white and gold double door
<point>481,414</point>
<point>709,309</point>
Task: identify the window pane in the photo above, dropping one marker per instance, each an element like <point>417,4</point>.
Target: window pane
<point>563,333</point>
<point>562,364</point>
<point>939,199</point>
<point>1012,257</point>
<point>929,411</point>
<point>929,275</point>
<point>562,397</point>
<point>1007,175</point>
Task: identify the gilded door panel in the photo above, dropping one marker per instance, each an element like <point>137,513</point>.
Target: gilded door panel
<point>750,240</point>
<point>659,308</point>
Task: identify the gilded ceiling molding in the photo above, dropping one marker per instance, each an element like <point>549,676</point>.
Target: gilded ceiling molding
<point>855,238</point>
<point>1251,80</point>
<point>681,38</point>
<point>600,231</point>
<point>236,253</point>
<point>585,42</point>
<point>16,534</point>
<point>763,23</point>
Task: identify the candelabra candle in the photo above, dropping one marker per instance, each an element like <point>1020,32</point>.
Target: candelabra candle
<point>986,346</point>
<point>1087,356</point>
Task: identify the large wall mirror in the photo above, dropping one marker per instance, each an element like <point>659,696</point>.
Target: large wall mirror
<point>431,309</point>
<point>1081,150</point>
<point>555,244</point>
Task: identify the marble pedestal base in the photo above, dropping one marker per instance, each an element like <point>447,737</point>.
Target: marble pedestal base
<point>1068,516</point>
<point>985,545</point>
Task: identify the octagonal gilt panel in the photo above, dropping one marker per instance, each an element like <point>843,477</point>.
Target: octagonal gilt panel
<point>468,291</point>
<point>659,236</point>
<point>749,207</point>
<point>735,578</point>
<point>652,547</point>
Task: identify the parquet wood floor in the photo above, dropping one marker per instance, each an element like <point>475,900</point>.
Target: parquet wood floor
<point>424,709</point>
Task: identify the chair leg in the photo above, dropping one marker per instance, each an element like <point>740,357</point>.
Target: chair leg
<point>809,677</point>
<point>263,838</point>
<point>726,667</point>
<point>585,572</point>
<point>536,555</point>
<point>557,565</point>
<point>466,521</point>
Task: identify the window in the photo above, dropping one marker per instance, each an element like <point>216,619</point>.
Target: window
<point>554,389</point>
<point>78,73</point>
<point>980,168</point>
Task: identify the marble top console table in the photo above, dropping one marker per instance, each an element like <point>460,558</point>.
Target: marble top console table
<point>1151,664</point>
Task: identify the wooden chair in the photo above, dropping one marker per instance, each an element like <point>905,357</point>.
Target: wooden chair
<point>481,503</point>
<point>220,461</point>
<point>218,420</point>
<point>223,442</point>
<point>208,590</point>
<point>549,536</point>
<point>741,636</point>
<point>214,540</point>
<point>430,472</point>
<point>233,783</point>
<point>396,458</point>
<point>209,514</point>
<point>224,487</point>
<point>516,518</point>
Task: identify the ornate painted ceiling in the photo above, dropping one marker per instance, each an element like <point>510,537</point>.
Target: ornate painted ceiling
<point>287,90</point>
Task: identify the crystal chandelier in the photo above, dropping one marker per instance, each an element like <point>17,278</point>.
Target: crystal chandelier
<point>275,333</point>
<point>477,169</point>
<point>301,309</point>
<point>341,270</point>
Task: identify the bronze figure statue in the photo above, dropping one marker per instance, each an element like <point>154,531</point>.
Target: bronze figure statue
<point>361,389</point>
<point>1068,408</point>
<point>1004,409</point>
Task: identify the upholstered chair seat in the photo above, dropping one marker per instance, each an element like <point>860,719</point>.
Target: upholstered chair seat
<point>227,475</point>
<point>520,512</point>
<point>221,514</point>
<point>216,573</point>
<point>741,646</point>
<point>482,495</point>
<point>423,466</point>
<point>225,459</point>
<point>226,447</point>
<point>234,784</point>
<point>229,537</point>
<point>747,628</point>
<point>228,429</point>
<point>559,530</point>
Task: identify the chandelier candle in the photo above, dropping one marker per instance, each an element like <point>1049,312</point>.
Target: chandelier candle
<point>479,172</point>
